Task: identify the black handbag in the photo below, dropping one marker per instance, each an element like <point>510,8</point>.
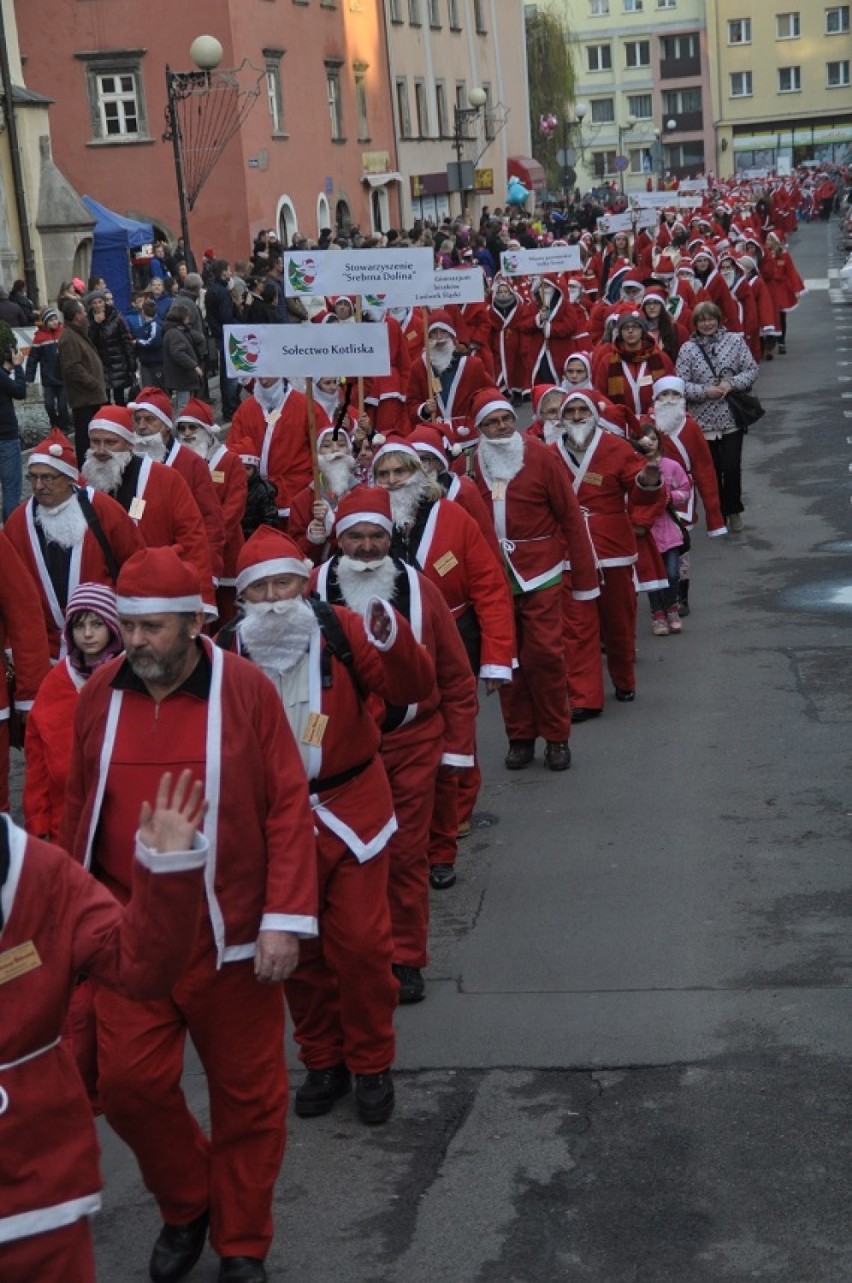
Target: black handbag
<point>745,407</point>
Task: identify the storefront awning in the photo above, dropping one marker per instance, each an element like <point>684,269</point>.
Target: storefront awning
<point>529,171</point>
<point>382,180</point>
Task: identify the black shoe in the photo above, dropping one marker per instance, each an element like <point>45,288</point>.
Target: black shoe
<point>584,714</point>
<point>520,754</point>
<point>442,876</point>
<point>412,986</point>
<point>683,598</point>
<point>782,349</point>
<point>177,1249</point>
<point>374,1096</point>
<point>242,1269</point>
<point>557,755</point>
<point>624,696</point>
<point>321,1089</point>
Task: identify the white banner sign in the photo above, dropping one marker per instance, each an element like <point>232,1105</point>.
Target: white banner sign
<point>455,285</point>
<point>647,218</point>
<point>693,185</point>
<point>532,262</point>
<point>610,223</point>
<point>369,271</point>
<point>689,201</point>
<point>653,200</point>
<point>307,350</point>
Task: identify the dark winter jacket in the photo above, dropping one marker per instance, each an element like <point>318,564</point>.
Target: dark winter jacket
<point>115,347</point>
<point>13,387</point>
<point>261,504</point>
<point>12,313</point>
<point>149,344</point>
<point>196,322</point>
<point>220,308</point>
<point>82,370</point>
<point>179,358</point>
<point>44,357</point>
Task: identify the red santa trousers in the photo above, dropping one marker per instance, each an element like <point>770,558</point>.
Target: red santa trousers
<point>443,831</point>
<point>535,703</point>
<point>468,783</point>
<point>617,611</point>
<point>412,767</point>
<point>4,765</point>
<point>581,631</point>
<point>342,995</point>
<point>59,1256</point>
<point>237,1026</point>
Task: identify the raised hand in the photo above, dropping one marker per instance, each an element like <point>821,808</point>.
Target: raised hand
<point>176,815</point>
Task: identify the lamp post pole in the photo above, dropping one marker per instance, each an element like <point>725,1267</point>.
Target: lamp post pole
<point>174,130</point>
<point>461,116</point>
<point>622,130</point>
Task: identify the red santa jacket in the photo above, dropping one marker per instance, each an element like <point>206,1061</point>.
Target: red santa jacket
<point>453,554</point>
<point>602,480</point>
<point>281,440</point>
<point>88,564</point>
<point>62,917</point>
<point>22,631</point>
<point>384,395</point>
<point>468,378</point>
<point>464,491</point>
<point>261,866</point>
<point>196,474</point>
<point>552,339</point>
<point>744,302</point>
<point>360,810</point>
<point>536,517</point>
<point>507,349</point>
<point>714,290</point>
<point>628,378</point>
<point>170,518</point>
<point>411,325</point>
<point>448,712</point>
<point>230,485</point>
<point>688,447</point>
<point>47,744</point>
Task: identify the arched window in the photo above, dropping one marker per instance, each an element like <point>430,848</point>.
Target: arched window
<point>323,213</point>
<point>288,223</point>
<point>342,216</point>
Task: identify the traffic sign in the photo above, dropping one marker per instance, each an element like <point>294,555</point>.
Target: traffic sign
<point>620,164</point>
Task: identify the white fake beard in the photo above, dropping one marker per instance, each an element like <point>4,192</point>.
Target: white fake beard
<point>579,436</point>
<point>730,278</point>
<point>669,416</point>
<point>277,634</point>
<point>361,580</point>
<point>151,447</point>
<point>64,524</point>
<point>501,460</point>
<point>552,430</point>
<point>337,472</point>
<point>440,358</point>
<point>399,313</point>
<point>270,398</point>
<point>106,476</point>
<point>329,401</point>
<point>405,499</point>
<point>572,387</point>
<point>200,445</point>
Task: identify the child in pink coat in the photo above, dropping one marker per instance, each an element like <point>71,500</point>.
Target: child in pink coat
<point>667,533</point>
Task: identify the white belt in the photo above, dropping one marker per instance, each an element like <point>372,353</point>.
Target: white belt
<point>22,1060</point>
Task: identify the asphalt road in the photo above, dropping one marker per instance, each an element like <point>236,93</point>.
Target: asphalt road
<point>632,1065</point>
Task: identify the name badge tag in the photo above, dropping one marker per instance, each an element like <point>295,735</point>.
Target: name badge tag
<point>218,478</point>
<point>646,380</point>
<point>314,730</point>
<point>18,961</point>
<point>445,564</point>
<point>498,491</point>
<point>594,478</point>
<point>137,509</point>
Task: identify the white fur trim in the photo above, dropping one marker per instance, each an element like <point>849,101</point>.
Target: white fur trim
<point>173,861</point>
<point>152,409</point>
<point>385,645</point>
<point>496,672</point>
<point>106,425</point>
<point>52,461</point>
<point>457,759</point>
<point>295,923</point>
<point>371,518</point>
<point>158,605</point>
<point>276,566</point>
<point>497,403</point>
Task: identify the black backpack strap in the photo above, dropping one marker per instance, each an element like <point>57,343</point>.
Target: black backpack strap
<point>93,522</point>
<point>225,636</point>
<point>336,644</point>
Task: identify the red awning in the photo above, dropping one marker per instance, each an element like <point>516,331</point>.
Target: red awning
<point>529,171</point>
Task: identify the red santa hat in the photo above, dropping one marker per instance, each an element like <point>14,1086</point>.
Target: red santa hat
<point>155,581</point>
<point>540,391</point>
<point>487,401</point>
<point>665,266</point>
<point>613,417</point>
<point>440,320</point>
<point>200,413</point>
<point>370,504</point>
<point>329,432</point>
<point>633,279</point>
<point>669,383</point>
<point>685,264</point>
<point>654,292</point>
<point>245,450</point>
<point>56,451</point>
<point>580,394</point>
<point>428,440</point>
<point>395,445</point>
<point>116,419</point>
<point>583,358</point>
<point>702,250</point>
<point>269,552</point>
<point>155,401</point>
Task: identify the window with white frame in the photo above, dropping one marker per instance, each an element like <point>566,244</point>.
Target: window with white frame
<point>598,8</point>
<point>414,13</point>
<point>603,163</point>
<point>787,26</point>
<point>837,74</point>
<point>444,130</point>
<point>434,13</point>
<point>116,95</point>
<point>396,10</point>
<point>453,9</point>
<point>640,160</point>
<point>360,71</point>
<point>741,84</point>
<point>603,111</point>
<point>837,20</point>
<point>739,31</point>
<point>599,57</point>
<point>678,102</point>
<point>421,107</point>
<point>274,97</point>
<point>789,80</point>
<point>633,6</point>
<point>402,111</point>
<point>335,106</point>
<point>479,17</point>
<point>637,53</point>
<point>641,106</point>
<point>675,48</point>
<point>666,4</point>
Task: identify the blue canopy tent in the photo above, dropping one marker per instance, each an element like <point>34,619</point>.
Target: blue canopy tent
<point>115,237</point>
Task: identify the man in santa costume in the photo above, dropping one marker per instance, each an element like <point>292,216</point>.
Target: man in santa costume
<point>66,534</point>
<point>384,395</point>
<point>456,378</point>
<point>195,429</point>
<point>417,737</point>
<point>538,522</point>
<point>505,310</point>
<point>176,701</point>
<point>56,922</point>
<point>156,498</point>
<point>549,324</point>
<point>273,421</point>
<point>681,439</point>
<point>324,661</point>
<point>152,423</point>
<point>446,545</point>
<point>23,637</point>
<point>311,521</point>
<point>604,471</point>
